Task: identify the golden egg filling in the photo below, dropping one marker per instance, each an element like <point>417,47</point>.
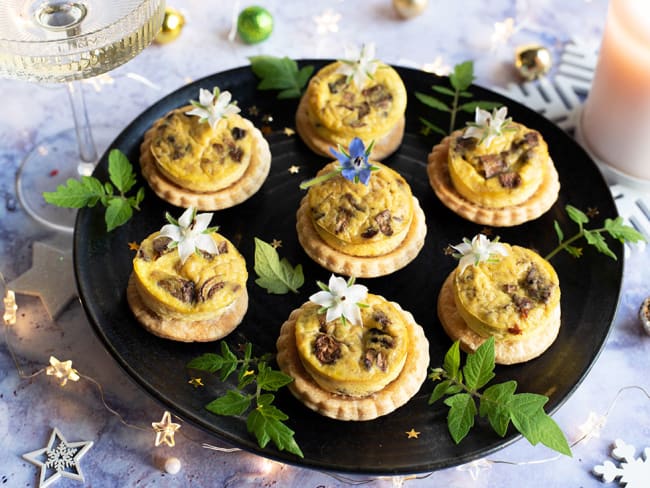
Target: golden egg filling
<point>198,158</point>
<point>354,360</point>
<point>506,172</point>
<point>362,220</point>
<point>338,110</point>
<point>200,289</point>
<point>509,298</point>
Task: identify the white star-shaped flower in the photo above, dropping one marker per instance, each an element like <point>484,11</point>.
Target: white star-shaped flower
<point>487,126</point>
<point>341,299</point>
<point>190,233</point>
<point>212,107</point>
<point>479,249</point>
<point>361,67</point>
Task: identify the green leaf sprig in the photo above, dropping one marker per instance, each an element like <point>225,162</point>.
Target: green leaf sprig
<point>275,275</point>
<point>498,402</point>
<point>280,74</point>
<point>88,191</point>
<point>264,420</point>
<point>460,81</point>
<point>615,228</point>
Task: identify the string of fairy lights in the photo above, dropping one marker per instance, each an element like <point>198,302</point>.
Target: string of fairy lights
<point>165,430</point>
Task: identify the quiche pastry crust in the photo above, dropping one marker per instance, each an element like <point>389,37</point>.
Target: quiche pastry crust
<point>247,181</point>
<point>332,111</point>
<point>510,215</point>
<point>344,407</point>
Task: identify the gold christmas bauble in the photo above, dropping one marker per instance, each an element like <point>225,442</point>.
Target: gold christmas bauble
<point>172,26</point>
<point>409,8</point>
<point>533,61</point>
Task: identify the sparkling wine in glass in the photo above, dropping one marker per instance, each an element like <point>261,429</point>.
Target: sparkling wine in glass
<point>64,41</point>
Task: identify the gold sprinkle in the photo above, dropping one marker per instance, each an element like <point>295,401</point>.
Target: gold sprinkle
<point>288,131</point>
<point>294,170</point>
<point>196,382</point>
<point>276,243</point>
<point>412,434</point>
<point>592,212</point>
<point>134,246</point>
<point>448,251</point>
<point>253,110</point>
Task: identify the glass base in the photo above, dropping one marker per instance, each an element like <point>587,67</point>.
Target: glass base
<point>51,163</point>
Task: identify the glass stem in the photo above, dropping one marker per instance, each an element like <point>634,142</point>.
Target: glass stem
<point>87,149</point>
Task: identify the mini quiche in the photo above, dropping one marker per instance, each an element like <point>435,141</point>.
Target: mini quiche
<point>346,99</point>
<point>508,292</point>
<point>496,172</point>
<point>358,228</point>
<point>205,155</point>
<point>189,284</point>
<point>353,368</point>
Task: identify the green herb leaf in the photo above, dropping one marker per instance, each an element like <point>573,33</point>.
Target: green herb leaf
<point>577,215</point>
<point>444,90</point>
<point>462,76</point>
<point>451,363</point>
<point>275,275</point>
<point>280,74</point>
<point>88,191</point>
<point>460,418</point>
<point>446,387</point>
<point>230,362</point>
<point>494,405</point>
<point>470,107</point>
<point>120,171</point>
<point>76,193</point>
<point>479,367</point>
<point>118,212</point>
<point>232,403</point>
<point>432,102</point>
<point>266,428</point>
<point>271,380</point>
<point>209,362</point>
<point>430,126</point>
<point>624,233</point>
<point>597,240</point>
<point>558,231</point>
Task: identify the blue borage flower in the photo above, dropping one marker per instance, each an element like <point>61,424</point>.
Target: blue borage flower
<point>353,165</point>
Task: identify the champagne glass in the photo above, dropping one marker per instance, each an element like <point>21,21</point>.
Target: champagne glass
<point>65,41</point>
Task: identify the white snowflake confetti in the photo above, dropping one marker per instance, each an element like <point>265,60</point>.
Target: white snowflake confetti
<point>633,472</point>
<point>61,459</point>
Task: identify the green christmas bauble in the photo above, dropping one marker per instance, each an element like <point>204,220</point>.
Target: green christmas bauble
<point>254,24</point>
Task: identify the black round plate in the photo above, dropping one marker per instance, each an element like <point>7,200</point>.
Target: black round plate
<point>590,286</point>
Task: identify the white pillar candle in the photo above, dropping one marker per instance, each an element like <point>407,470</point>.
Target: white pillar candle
<point>615,123</point>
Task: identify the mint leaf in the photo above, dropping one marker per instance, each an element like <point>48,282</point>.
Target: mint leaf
<point>479,367</point>
<point>118,212</point>
<point>266,428</point>
<point>209,362</point>
<point>232,403</point>
<point>275,276</point>
<point>624,233</point>
<point>76,193</point>
<point>462,76</point>
<point>460,418</point>
<point>494,405</point>
<point>120,171</point>
<point>280,74</point>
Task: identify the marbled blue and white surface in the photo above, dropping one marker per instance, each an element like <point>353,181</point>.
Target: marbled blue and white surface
<point>446,33</point>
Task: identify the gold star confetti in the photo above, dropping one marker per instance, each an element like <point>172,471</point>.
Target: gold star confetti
<point>62,370</point>
<point>294,170</point>
<point>267,118</point>
<point>196,382</point>
<point>592,212</point>
<point>448,251</point>
<point>253,110</point>
<point>327,22</point>
<point>288,131</point>
<point>412,434</point>
<point>165,430</point>
<point>134,246</point>
<point>9,300</point>
<point>276,243</point>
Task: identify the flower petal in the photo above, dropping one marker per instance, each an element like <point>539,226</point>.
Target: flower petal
<point>338,286</point>
<point>356,294</point>
<point>185,250</point>
<point>334,312</point>
<point>172,231</point>
<point>185,220</point>
<point>357,148</point>
<point>206,243</point>
<point>202,221</point>
<point>205,97</point>
<point>322,298</point>
<point>352,313</point>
